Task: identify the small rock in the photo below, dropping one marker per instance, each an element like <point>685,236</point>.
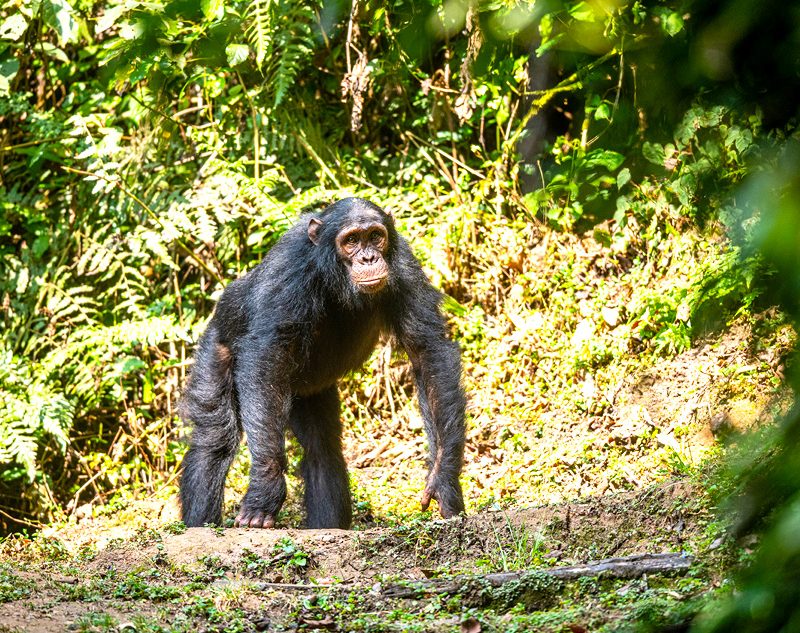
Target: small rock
<point>554,554</point>
<point>584,332</point>
<point>717,542</point>
<point>610,316</point>
<point>720,423</point>
<point>471,625</point>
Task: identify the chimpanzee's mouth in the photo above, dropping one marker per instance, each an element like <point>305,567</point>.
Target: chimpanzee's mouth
<point>372,285</point>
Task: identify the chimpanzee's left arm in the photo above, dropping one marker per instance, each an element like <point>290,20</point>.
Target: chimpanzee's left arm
<point>421,330</point>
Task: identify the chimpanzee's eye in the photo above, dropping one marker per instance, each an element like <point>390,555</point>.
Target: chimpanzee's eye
<point>351,240</point>
<point>375,236</point>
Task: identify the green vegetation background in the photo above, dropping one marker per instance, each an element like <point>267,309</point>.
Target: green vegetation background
<point>151,151</point>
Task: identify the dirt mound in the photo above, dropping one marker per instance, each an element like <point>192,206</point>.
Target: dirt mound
<point>654,520</point>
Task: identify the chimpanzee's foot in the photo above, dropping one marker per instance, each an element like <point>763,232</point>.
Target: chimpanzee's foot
<point>254,518</point>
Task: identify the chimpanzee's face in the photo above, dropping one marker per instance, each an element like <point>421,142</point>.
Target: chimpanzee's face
<point>363,246</point>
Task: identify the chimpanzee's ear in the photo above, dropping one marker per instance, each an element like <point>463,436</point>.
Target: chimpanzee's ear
<point>314,225</point>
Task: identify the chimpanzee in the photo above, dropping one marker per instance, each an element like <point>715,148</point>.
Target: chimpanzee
<point>280,338</point>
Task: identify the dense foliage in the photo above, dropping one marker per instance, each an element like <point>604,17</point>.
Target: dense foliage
<point>151,150</point>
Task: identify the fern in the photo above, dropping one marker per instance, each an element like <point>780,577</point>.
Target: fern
<point>282,35</point>
<point>111,262</point>
<point>32,413</point>
<point>293,45</point>
<point>259,30</point>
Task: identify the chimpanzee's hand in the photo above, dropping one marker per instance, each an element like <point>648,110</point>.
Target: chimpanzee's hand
<point>447,494</point>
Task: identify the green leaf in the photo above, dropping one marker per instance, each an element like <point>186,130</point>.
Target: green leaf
<point>109,18</point>
<point>623,177</point>
<point>8,68</point>
<point>237,53</point>
<point>141,70</point>
<point>583,12</point>
<point>673,24</point>
<point>259,29</point>
<point>602,235</point>
<point>213,9</point>
<point>41,244</point>
<point>452,306</point>
<point>60,16</point>
<point>603,112</point>
<point>148,388</point>
<point>604,158</point>
<point>53,51</point>
<point>131,364</point>
<point>654,153</point>
<point>550,43</point>
<point>13,27</point>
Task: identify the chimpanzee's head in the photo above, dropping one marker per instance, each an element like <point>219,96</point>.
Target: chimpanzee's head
<point>360,232</point>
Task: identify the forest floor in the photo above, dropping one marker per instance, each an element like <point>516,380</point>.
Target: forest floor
<point>177,579</point>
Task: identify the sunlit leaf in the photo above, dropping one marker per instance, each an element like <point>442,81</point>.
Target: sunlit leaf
<point>109,18</point>
<point>237,53</point>
<point>603,112</point>
<point>13,27</point>
<point>673,24</point>
<point>213,9</point>
<point>53,51</point>
<point>60,16</point>
<point>654,153</point>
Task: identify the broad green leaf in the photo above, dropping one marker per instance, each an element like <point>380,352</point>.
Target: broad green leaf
<point>603,112</point>
<point>673,24</point>
<point>8,68</point>
<point>604,158</point>
<point>623,177</point>
<point>60,16</point>
<point>13,27</point>
<point>53,51</point>
<point>654,153</point>
<point>109,18</point>
<point>213,9</point>
<point>41,244</point>
<point>237,53</point>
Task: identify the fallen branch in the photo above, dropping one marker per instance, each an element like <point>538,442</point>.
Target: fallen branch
<point>623,567</point>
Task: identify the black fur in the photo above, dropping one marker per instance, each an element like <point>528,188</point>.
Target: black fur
<point>280,338</point>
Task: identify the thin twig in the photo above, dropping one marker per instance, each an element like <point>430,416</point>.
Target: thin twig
<point>464,166</point>
<point>38,526</point>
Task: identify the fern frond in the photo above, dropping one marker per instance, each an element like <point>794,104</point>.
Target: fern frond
<point>18,445</point>
<point>281,32</point>
<point>294,46</point>
<point>260,28</point>
<point>31,413</point>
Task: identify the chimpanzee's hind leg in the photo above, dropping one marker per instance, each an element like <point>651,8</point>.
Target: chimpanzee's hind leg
<point>316,424</point>
<point>209,404</point>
